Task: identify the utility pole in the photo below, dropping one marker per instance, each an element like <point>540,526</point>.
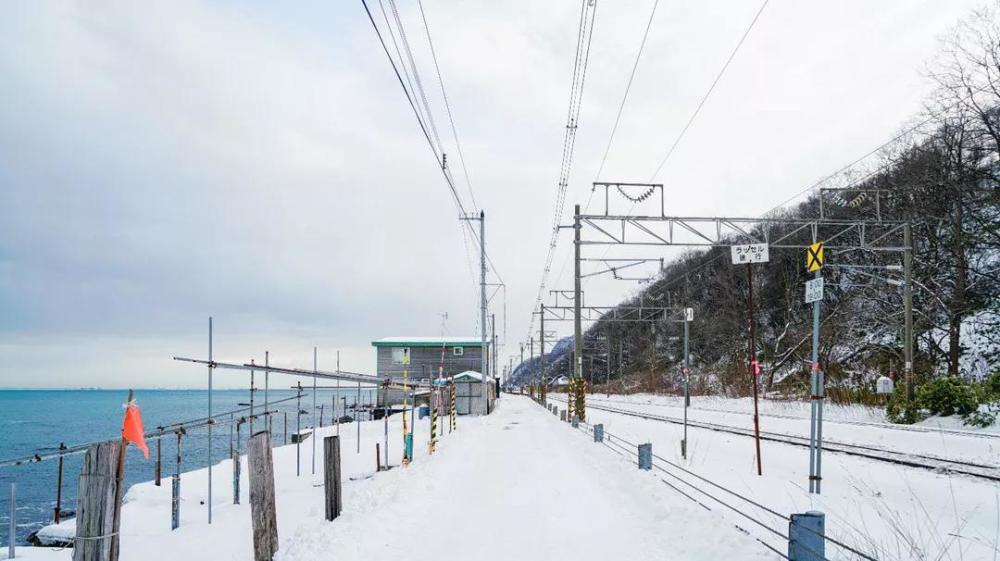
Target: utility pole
<point>577,297</point>
<point>908,310</point>
<point>541,352</point>
<point>754,367</point>
<point>607,374</point>
<point>688,313</point>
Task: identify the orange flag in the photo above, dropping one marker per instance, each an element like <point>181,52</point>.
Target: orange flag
<point>132,430</point>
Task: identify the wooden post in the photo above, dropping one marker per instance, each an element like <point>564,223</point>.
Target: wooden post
<point>378,458</point>
<point>262,512</point>
<point>331,476</point>
<point>57,511</point>
<point>157,481</point>
<point>95,508</point>
<point>175,487</point>
<point>236,477</point>
<point>119,480</point>
<point>286,427</point>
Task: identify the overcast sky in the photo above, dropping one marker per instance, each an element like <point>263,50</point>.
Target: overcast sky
<point>161,162</point>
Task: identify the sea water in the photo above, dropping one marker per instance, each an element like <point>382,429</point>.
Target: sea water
<point>37,421</point>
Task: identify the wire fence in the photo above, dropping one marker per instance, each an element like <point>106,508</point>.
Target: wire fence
<point>691,486</point>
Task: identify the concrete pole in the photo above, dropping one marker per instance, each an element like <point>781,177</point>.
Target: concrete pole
<point>577,320</point>
<point>482,307</point>
<point>908,310</point>
<point>541,352</point>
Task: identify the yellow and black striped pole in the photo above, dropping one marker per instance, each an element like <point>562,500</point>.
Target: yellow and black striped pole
<point>453,426</point>
<point>435,399</point>
<point>406,391</point>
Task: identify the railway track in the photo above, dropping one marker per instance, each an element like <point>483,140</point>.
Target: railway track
<point>921,461</point>
<point>887,426</point>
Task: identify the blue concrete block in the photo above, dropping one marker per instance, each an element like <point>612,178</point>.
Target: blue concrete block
<point>646,456</point>
<point>805,537</point>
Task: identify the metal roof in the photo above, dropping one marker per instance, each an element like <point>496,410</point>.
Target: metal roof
<point>428,342</point>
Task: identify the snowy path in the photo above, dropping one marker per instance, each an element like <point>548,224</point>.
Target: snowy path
<point>521,485</point>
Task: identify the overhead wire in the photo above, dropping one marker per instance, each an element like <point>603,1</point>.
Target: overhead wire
<point>424,124</point>
<point>447,105</point>
<point>687,126</point>
<point>580,62</point>
<point>711,88</point>
<point>628,88</point>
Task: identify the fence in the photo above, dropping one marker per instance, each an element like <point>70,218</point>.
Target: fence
<point>805,539</point>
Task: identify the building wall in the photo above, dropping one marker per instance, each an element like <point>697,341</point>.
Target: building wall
<point>424,362</point>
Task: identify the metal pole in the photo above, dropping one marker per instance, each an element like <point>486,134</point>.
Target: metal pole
<point>251,400</point>
<point>908,311</point>
<point>687,389</point>
<point>13,520</point>
<point>482,308</point>
<point>210,368</point>
<point>267,420</point>
<point>313,414</point>
<point>753,364</point>
<point>298,429</point>
<point>577,320</point>
<point>814,386</point>
<point>607,365</point>
<point>336,397</point>
<point>385,418</point>
<point>356,421</point>
<point>493,344</point>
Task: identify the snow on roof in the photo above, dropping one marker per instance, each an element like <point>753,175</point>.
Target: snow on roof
<point>428,342</point>
<point>469,374</point>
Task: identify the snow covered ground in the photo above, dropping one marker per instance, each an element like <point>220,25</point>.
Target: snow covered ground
<point>892,511</point>
<point>847,424</point>
<point>515,485</point>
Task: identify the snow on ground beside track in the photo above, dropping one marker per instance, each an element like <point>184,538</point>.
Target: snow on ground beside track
<point>515,485</point>
<point>522,485</point>
<point>793,419</point>
<point>893,511</point>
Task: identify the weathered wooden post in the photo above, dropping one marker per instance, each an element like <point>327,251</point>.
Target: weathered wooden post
<point>13,520</point>
<point>805,537</point>
<point>599,432</point>
<point>236,477</point>
<point>57,511</point>
<point>157,480</point>
<point>95,509</point>
<point>331,476</point>
<point>262,511</point>
<point>175,487</point>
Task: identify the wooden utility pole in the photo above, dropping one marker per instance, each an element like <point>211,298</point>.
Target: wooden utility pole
<point>753,364</point>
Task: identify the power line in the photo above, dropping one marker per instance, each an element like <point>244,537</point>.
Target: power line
<point>423,125</point>
<point>447,106</point>
<point>581,58</point>
<point>628,87</point>
<point>708,93</point>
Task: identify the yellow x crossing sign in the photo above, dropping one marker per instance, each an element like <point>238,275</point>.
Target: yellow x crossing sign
<point>814,257</point>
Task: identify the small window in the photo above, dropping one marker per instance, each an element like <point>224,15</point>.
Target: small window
<point>400,355</point>
<point>458,351</point>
